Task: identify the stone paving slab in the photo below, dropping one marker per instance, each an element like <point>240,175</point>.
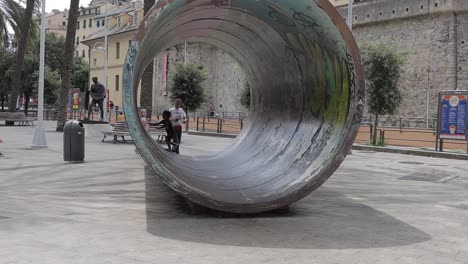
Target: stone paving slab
<point>377,208</point>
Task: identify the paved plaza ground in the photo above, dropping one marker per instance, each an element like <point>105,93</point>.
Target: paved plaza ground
<point>377,208</point>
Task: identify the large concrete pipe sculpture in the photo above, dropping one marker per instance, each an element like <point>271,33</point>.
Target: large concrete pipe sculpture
<point>307,92</point>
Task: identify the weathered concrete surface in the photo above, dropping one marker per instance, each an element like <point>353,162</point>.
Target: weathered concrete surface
<point>377,208</point>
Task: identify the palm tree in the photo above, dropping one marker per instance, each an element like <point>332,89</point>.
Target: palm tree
<point>10,17</point>
<point>146,95</point>
<point>20,52</point>
<point>67,66</point>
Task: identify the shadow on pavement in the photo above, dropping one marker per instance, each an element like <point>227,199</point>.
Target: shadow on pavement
<point>324,220</point>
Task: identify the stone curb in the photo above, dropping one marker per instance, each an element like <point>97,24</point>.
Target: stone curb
<point>211,134</point>
<point>424,153</point>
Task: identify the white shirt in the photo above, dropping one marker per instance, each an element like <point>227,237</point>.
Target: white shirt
<point>177,114</point>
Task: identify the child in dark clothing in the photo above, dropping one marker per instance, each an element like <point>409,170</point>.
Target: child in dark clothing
<point>167,124</point>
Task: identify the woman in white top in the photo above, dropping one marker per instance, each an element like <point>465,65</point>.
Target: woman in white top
<point>178,118</point>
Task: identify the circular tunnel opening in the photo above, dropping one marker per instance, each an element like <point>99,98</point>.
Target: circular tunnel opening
<point>306,81</point>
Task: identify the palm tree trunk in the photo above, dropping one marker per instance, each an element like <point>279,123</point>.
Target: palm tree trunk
<point>20,52</point>
<point>68,53</point>
<point>26,104</point>
<point>146,95</point>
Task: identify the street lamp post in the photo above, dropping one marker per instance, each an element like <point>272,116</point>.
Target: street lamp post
<point>106,54</point>
<point>39,140</point>
<point>350,14</point>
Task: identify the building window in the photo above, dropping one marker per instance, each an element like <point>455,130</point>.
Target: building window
<point>84,37</point>
<point>64,23</point>
<point>129,43</point>
<point>117,83</point>
<point>96,10</point>
<point>103,22</point>
<point>117,50</point>
<point>90,23</point>
<point>84,23</point>
<point>76,53</point>
<point>83,53</point>
<point>77,40</point>
<point>98,23</point>
<point>78,25</point>
<point>94,62</point>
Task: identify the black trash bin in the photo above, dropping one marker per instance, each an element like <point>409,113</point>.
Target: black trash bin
<point>73,141</point>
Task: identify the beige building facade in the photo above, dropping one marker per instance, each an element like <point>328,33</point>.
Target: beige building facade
<point>55,22</point>
<point>88,24</point>
<point>122,21</point>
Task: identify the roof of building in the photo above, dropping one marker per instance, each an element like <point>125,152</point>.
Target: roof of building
<point>114,31</point>
<point>121,9</point>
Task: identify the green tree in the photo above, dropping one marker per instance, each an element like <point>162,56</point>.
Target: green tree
<point>67,66</point>
<point>54,51</point>
<point>7,59</point>
<point>20,53</point>
<point>187,84</point>
<point>10,17</point>
<point>80,73</point>
<point>383,64</point>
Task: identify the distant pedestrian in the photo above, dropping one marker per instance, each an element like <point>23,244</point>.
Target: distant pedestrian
<point>120,117</point>
<point>178,117</point>
<point>144,120</point>
<point>211,109</point>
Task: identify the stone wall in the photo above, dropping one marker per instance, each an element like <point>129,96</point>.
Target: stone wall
<point>434,33</point>
<point>224,83</point>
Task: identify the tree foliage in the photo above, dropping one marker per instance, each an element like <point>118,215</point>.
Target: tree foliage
<point>383,64</point>
<point>80,73</point>
<point>52,73</point>
<point>20,52</point>
<point>7,59</point>
<point>187,85</point>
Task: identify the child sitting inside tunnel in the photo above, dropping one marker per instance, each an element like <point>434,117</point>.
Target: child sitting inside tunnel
<point>167,124</point>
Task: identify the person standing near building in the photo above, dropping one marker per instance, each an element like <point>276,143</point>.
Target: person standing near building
<point>211,109</point>
<point>98,93</point>
<point>178,117</point>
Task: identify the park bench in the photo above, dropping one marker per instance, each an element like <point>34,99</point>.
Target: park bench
<point>120,130</point>
<point>19,117</point>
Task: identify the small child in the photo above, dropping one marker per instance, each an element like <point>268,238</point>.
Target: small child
<point>144,120</point>
<point>167,124</point>
<point>121,117</point>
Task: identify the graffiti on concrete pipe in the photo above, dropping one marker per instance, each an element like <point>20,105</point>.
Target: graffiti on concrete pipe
<point>307,83</point>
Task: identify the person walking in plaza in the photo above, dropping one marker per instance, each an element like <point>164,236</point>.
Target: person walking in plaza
<point>178,117</point>
<point>98,93</point>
